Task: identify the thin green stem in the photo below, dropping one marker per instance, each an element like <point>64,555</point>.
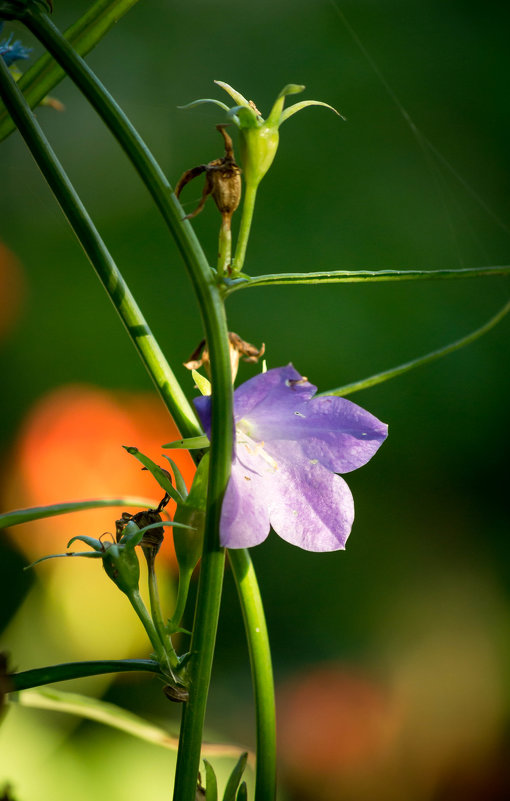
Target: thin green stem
<point>84,34</point>
<point>379,378</point>
<point>78,670</point>
<point>359,276</point>
<point>261,670</point>
<point>182,597</point>
<point>156,613</point>
<point>250,193</point>
<point>224,246</point>
<point>148,624</point>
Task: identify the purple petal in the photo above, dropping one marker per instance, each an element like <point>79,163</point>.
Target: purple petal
<point>203,406</point>
<point>245,513</point>
<point>278,388</point>
<point>310,506</point>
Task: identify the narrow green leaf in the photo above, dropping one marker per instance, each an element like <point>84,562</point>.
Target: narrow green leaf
<point>191,443</point>
<point>292,89</point>
<point>211,785</point>
<point>288,112</point>
<point>18,516</point>
<point>235,778</point>
<point>85,554</point>
<point>379,378</point>
<point>111,715</point>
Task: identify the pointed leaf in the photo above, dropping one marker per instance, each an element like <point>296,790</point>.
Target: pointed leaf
<point>242,793</point>
<point>190,443</point>
<point>237,96</point>
<point>92,541</point>
<point>158,473</point>
<point>180,484</point>
<point>235,778</point>
<point>201,103</point>
<point>203,384</point>
<point>211,785</point>
<point>292,89</point>
<point>303,104</point>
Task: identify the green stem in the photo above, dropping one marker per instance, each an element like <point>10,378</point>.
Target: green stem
<point>148,624</point>
<point>96,251</point>
<point>379,378</point>
<point>224,246</point>
<point>250,193</point>
<point>182,597</point>
<point>261,670</point>
<point>211,306</point>
<point>359,276</point>
<point>84,34</point>
<point>78,670</point>
<point>156,613</point>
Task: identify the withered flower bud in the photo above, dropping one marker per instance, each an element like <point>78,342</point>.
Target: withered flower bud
<point>222,181</point>
<point>238,349</point>
<point>152,539</point>
<point>176,693</point>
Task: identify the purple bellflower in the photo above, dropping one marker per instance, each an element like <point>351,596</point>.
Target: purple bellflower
<point>289,447</point>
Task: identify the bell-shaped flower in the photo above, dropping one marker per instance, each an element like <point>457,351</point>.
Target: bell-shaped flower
<point>258,137</point>
<point>289,448</point>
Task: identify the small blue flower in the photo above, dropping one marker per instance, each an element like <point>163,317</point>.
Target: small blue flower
<point>288,452</point>
<point>13,51</point>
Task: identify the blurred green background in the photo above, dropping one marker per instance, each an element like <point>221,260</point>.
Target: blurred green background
<point>391,659</point>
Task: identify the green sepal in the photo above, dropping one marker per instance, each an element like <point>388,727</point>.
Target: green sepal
<point>121,565</point>
<point>203,384</point>
<point>235,778</point>
<point>201,102</point>
<point>288,112</point>
<point>274,115</point>
<point>157,472</point>
<point>211,785</point>
<point>190,443</point>
<point>234,94</point>
<point>91,541</point>
<point>242,793</point>
<point>244,116</point>
<point>180,484</point>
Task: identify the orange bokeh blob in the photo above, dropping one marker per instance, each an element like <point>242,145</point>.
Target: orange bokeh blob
<point>12,287</point>
<point>333,723</point>
<point>70,448</point>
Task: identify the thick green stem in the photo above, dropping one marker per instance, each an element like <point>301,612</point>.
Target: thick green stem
<point>250,194</point>
<point>78,670</point>
<point>261,671</point>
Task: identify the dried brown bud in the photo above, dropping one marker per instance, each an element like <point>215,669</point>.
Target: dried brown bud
<point>238,349</point>
<point>222,181</point>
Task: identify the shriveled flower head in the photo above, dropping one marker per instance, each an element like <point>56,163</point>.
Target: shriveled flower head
<point>289,448</point>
